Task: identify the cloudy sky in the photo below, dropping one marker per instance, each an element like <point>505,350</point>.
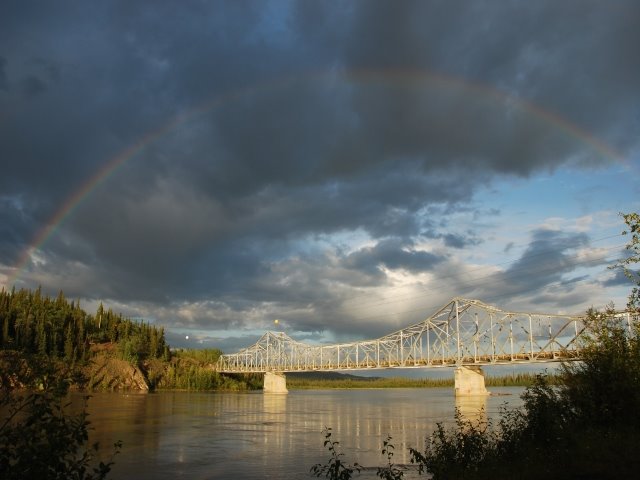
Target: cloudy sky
<point>343,167</point>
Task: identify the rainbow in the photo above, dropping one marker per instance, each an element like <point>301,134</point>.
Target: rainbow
<point>418,78</point>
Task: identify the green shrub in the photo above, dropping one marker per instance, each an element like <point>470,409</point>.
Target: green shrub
<point>335,468</point>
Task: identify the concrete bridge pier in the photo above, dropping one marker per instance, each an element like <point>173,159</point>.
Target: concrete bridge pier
<point>274,382</point>
<point>469,381</point>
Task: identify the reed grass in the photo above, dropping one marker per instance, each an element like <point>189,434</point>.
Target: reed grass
<point>298,383</point>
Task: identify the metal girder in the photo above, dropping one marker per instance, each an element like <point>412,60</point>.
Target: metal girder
<point>463,332</point>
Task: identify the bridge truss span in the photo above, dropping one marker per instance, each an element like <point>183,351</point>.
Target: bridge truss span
<point>462,333</point>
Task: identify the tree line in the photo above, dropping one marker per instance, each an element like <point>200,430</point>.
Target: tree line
<point>56,328</point>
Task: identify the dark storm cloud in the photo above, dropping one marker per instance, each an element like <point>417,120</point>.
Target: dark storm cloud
<point>549,256</point>
<point>538,51</point>
<point>3,75</point>
<point>393,254</point>
<point>460,241</point>
<point>14,226</point>
<point>620,278</point>
<point>316,119</point>
<point>508,247</point>
<point>32,86</point>
<point>453,240</point>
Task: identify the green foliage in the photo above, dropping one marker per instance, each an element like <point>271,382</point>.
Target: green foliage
<point>390,471</point>
<point>38,438</point>
<point>454,453</point>
<point>61,331</point>
<point>294,383</point>
<point>205,355</point>
<point>633,247</point>
<point>519,380</point>
<point>511,380</point>
<point>192,370</point>
<point>33,323</point>
<point>603,388</point>
<point>335,468</point>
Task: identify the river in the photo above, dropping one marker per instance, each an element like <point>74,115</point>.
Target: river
<point>169,435</point>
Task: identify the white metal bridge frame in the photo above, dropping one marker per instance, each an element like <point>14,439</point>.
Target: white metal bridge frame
<point>462,333</point>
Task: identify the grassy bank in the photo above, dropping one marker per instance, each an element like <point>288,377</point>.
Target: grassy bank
<point>302,382</point>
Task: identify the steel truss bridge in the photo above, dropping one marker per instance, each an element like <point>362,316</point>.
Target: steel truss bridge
<point>462,333</point>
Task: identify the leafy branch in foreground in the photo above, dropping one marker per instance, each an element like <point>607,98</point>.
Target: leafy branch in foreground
<point>633,247</point>
<point>454,453</point>
<point>335,468</point>
<point>391,471</point>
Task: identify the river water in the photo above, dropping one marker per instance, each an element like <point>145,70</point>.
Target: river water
<point>169,435</point>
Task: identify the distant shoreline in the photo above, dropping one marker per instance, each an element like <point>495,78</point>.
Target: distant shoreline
<point>299,381</point>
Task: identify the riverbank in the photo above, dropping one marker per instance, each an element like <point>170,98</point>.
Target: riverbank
<point>307,381</point>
